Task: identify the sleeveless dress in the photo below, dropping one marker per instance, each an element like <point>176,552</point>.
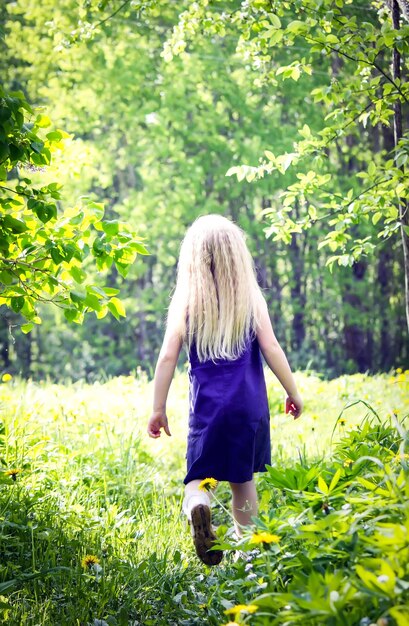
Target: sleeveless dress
<point>229,421</point>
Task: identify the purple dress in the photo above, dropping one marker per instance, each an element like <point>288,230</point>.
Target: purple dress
<point>229,422</point>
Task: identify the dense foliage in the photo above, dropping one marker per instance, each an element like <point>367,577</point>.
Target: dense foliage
<point>160,100</point>
<point>91,530</point>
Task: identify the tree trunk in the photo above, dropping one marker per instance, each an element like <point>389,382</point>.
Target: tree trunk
<point>398,133</point>
<point>385,280</point>
<point>297,288</point>
<point>356,337</point>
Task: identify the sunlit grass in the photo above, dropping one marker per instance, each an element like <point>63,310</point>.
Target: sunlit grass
<point>81,477</point>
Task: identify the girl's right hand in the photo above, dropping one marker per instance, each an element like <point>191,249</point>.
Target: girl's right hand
<point>155,423</point>
<point>294,405</point>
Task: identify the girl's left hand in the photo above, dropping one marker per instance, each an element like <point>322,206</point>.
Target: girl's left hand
<point>155,423</point>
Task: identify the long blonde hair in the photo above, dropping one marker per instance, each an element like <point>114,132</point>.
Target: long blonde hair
<point>217,298</point>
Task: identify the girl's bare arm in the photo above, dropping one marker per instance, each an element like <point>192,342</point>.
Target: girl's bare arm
<point>277,361</point>
<point>165,369</point>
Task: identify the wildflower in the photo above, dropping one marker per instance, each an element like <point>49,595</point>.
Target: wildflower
<point>348,462</point>
<point>342,422</point>
<point>13,473</point>
<point>264,537</point>
<point>399,370</point>
<point>208,484</point>
<point>6,378</point>
<point>89,561</point>
<point>241,608</point>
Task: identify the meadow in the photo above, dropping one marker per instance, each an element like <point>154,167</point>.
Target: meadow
<point>91,530</point>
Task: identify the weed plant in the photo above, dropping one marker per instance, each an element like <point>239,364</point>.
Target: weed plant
<point>91,531</point>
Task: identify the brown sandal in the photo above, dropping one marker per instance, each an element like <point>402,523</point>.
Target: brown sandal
<point>203,535</point>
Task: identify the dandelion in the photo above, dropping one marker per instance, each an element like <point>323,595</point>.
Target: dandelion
<point>89,561</point>
<point>264,537</point>
<point>241,608</point>
<point>13,473</point>
<point>6,378</point>
<point>208,484</point>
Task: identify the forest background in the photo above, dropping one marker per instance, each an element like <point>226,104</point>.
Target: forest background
<point>145,107</point>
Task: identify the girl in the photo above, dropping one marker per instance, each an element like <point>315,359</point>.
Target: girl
<point>219,313</point>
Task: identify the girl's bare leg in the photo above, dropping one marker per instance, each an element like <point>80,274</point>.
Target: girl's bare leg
<point>244,503</point>
<point>193,497</point>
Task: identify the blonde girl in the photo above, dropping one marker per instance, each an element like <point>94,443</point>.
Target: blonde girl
<point>220,315</point>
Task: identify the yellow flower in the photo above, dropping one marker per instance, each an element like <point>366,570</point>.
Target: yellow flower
<point>13,473</point>
<point>89,561</point>
<point>264,537</point>
<point>399,370</point>
<point>208,484</point>
<point>348,462</point>
<point>6,378</point>
<point>342,422</point>
<point>241,608</point>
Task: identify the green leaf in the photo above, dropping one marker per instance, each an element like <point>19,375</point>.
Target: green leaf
<point>95,208</point>
<point>71,314</point>
<point>15,225</point>
<point>27,328</point>
<point>6,277</point>
<point>400,614</point>
<point>231,171</point>
<point>55,135</point>
<point>110,291</point>
<point>78,274</point>
<point>56,255</point>
<point>111,227</point>
<point>17,303</point>
<point>139,248</point>
<point>5,114</point>
<point>4,150</point>
<point>275,20</point>
<point>312,212</point>
<point>8,584</point>
<point>37,146</point>
<point>335,480</point>
<point>92,302</point>
<point>42,121</point>
<point>117,308</point>
<point>78,296</point>
<point>296,27</point>
<point>322,485</point>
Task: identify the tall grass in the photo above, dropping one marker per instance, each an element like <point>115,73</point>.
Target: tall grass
<point>80,477</point>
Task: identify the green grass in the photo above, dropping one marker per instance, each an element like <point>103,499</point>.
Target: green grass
<point>90,482</point>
